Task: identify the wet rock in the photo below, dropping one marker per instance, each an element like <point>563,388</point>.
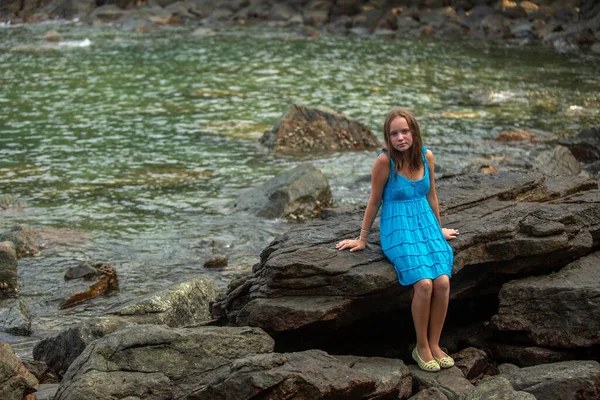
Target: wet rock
<point>302,129</point>
<point>42,372</point>
<point>565,380</point>
<point>52,36</point>
<point>14,317</point>
<point>495,26</point>
<point>216,261</point>
<point>108,13</point>
<point>560,310</point>
<point>450,382</point>
<point>8,269</point>
<point>512,224</point>
<point>515,135</point>
<point>297,193</point>
<point>585,146</point>
<point>472,362</point>
<point>10,201</point>
<point>431,393</point>
<point>204,32</point>
<point>558,161</point>
<point>82,270</point>
<point>317,12</point>
<point>108,282</point>
<point>283,12</point>
<point>497,388</point>
<point>27,241</point>
<point>15,381</point>
<point>157,362</point>
<point>391,376</point>
<point>180,305</point>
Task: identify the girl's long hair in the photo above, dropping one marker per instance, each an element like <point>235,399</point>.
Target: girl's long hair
<point>415,153</point>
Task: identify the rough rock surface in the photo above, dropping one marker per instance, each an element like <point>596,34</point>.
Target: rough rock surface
<point>450,381</point>
<point>585,146</point>
<point>471,361</point>
<point>497,388</point>
<point>14,317</point>
<point>297,193</point>
<point>15,381</point>
<point>8,269</point>
<point>565,380</point>
<point>157,362</point>
<point>181,305</point>
<point>302,129</point>
<point>526,356</point>
<point>27,241</point>
<point>512,224</point>
<point>429,394</point>
<point>558,161</point>
<point>560,310</point>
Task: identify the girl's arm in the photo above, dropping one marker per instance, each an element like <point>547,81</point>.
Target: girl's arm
<point>379,176</point>
<point>432,197</point>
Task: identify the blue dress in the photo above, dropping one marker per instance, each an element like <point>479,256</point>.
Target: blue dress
<point>410,233</point>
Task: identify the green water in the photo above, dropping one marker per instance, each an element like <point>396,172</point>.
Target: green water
<point>136,144</point>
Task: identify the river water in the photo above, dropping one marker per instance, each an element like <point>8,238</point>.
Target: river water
<point>131,147</point>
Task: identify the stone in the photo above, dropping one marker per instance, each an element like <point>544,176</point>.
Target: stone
<point>450,382</point>
<point>585,146</point>
<point>558,161</point>
<point>297,193</point>
<point>528,307</point>
<point>308,129</point>
<point>52,36</point>
<point>431,393</point>
<point>495,26</point>
<point>216,261</point>
<point>14,317</point>
<point>47,391</point>
<point>515,135</point>
<point>8,269</point>
<point>471,361</point>
<point>497,388</point>
<point>15,381</point>
<point>42,372</point>
<point>27,242</point>
<point>567,380</point>
<point>526,356</point>
<point>108,282</point>
<point>392,377</point>
<point>82,270</point>
<point>108,13</point>
<point>506,368</point>
<point>10,201</point>
<point>157,362</point>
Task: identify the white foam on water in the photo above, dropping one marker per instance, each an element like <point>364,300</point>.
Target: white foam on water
<point>76,43</point>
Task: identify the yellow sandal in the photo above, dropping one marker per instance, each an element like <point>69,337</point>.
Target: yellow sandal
<point>429,366</point>
<point>445,362</point>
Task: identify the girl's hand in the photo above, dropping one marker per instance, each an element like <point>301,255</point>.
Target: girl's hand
<point>450,234</point>
<point>353,245</point>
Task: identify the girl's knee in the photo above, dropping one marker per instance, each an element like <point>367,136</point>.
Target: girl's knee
<point>424,287</point>
<point>441,283</point>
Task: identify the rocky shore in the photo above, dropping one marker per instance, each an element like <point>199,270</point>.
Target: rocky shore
<point>565,25</point>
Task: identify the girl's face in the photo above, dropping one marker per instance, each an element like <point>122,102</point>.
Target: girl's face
<point>401,136</point>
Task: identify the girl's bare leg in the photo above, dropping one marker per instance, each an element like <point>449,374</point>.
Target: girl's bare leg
<point>439,307</point>
<point>420,307</point>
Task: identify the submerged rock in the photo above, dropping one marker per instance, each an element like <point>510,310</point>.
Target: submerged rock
<point>108,282</point>
<point>304,129</point>
<point>297,193</point>
<point>15,381</point>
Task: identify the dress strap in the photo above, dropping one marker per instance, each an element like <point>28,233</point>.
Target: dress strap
<point>424,150</point>
<point>392,166</point>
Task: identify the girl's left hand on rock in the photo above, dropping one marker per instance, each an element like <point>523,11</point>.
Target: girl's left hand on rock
<point>450,234</point>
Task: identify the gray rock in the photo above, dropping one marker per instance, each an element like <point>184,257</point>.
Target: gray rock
<point>391,376</point>
<point>306,129</point>
<point>157,362</point>
<point>565,380</point>
<point>47,391</point>
<point>506,368</point>
<point>450,382</point>
<point>497,388</point>
<point>495,26</point>
<point>585,146</point>
<point>471,361</point>
<point>108,13</point>
<point>82,270</point>
<point>297,193</point>
<point>431,393</point>
<point>14,317</point>
<point>8,269</point>
<point>15,381</point>
<point>558,161</point>
<point>527,356</point>
<point>560,310</point>
<point>27,242</point>
<point>42,372</point>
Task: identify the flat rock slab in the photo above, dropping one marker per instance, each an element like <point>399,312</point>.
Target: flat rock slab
<point>560,310</point>
<point>158,362</point>
<point>512,224</point>
<point>451,382</point>
<point>564,380</point>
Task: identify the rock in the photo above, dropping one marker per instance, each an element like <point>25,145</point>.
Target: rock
<point>450,382</point>
<point>180,305</point>
<point>108,13</point>
<point>431,393</point>
<point>391,376</point>
<point>527,356</point>
<point>497,388</point>
<point>515,135</point>
<point>136,23</point>
<point>585,146</point>
<point>47,391</point>
<point>530,307</point>
<point>297,193</point>
<point>311,374</point>
<point>565,380</point>
<point>15,381</point>
<point>68,9</point>
<point>10,201</point>
<point>216,261</point>
<point>42,372</point>
<point>27,241</point>
<point>495,26</point>
<point>82,270</point>
<point>471,361</point>
<point>157,362</point>
<point>204,32</point>
<point>282,12</point>
<point>303,129</point>
<point>108,282</point>
<point>8,269</point>
<point>529,7</point>
<point>506,368</point>
<point>14,317</point>
<point>317,12</point>
<point>511,223</point>
<point>52,36</point>
<point>558,161</point>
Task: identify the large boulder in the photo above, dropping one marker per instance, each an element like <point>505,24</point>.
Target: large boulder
<point>497,388</point>
<point>450,382</point>
<point>158,362</point>
<point>567,380</point>
<point>15,381</point>
<point>307,129</point>
<point>585,146</point>
<point>560,310</point>
<point>297,193</point>
<point>8,269</point>
<point>558,161</point>
<point>512,224</point>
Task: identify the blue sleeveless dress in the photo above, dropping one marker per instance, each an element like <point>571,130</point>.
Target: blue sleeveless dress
<point>410,233</point>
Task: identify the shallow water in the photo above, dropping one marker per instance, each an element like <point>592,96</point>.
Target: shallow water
<point>134,145</point>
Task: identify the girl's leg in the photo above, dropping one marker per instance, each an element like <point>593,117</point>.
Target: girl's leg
<point>421,304</point>
<point>437,316</point>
